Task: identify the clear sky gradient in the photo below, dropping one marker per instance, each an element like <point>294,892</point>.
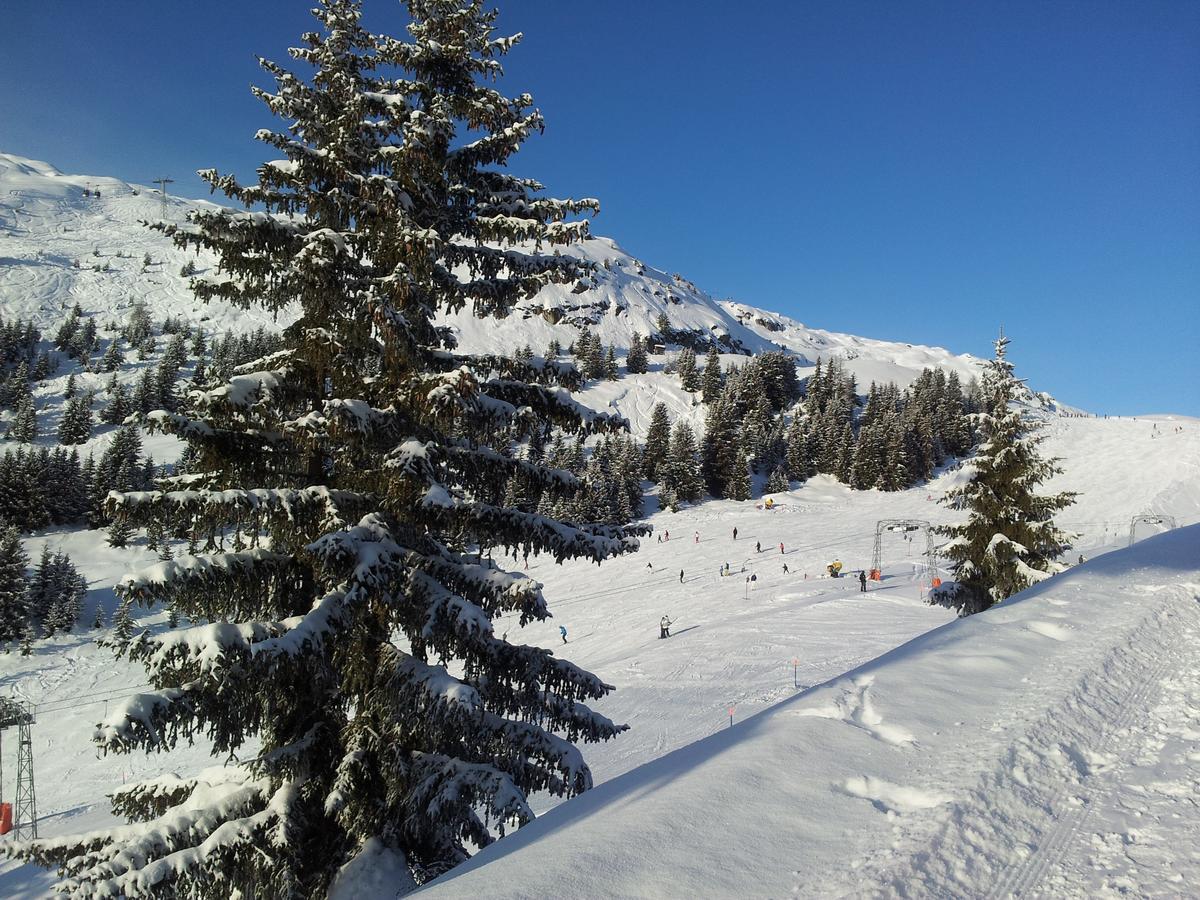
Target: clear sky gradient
<point>915,171</point>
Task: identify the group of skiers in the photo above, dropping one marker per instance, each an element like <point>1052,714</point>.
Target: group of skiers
<point>664,624</point>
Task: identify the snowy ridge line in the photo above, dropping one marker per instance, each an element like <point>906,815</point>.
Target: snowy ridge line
<point>1020,815</point>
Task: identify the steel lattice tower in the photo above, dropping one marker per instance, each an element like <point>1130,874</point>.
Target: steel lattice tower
<point>13,712</point>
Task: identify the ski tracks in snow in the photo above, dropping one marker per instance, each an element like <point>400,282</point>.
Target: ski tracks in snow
<point>1032,814</point>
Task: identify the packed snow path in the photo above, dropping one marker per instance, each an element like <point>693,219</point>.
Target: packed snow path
<point>1045,748</point>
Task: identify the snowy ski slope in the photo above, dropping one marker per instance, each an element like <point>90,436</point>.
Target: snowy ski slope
<point>1045,748</point>
<point>733,643</point>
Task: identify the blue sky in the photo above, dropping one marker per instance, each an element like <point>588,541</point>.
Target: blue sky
<point>920,172</point>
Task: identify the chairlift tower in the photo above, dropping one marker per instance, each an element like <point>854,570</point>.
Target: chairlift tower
<point>13,712</point>
<point>1168,521</point>
<point>902,527</point>
<point>162,183</point>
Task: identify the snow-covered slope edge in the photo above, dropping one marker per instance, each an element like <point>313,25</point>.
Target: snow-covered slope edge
<point>1029,745</point>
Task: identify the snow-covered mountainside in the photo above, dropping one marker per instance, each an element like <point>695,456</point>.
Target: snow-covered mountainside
<point>61,246</point>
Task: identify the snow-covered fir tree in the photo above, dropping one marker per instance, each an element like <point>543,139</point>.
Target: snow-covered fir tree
<point>354,643</point>
<point>39,591</point>
<point>24,428</point>
<point>777,481</point>
<point>681,471</point>
<point>710,381</point>
<point>689,376</point>
<point>1009,540</point>
<point>637,360</point>
<point>14,599</point>
<point>658,438</point>
<point>75,426</point>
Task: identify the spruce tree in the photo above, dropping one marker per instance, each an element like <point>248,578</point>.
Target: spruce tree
<point>1009,540</point>
<point>637,361</point>
<point>23,429</point>
<point>357,653</point>
<point>75,427</point>
<point>39,593</point>
<point>611,370</point>
<point>14,598</point>
<point>689,377</point>
<point>681,476</point>
<point>777,481</point>
<point>122,624</point>
<point>658,438</point>
<point>738,486</point>
<point>799,463</point>
<point>710,382</point>
<point>662,325</point>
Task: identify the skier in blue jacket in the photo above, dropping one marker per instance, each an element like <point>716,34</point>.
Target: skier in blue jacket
<point>562,630</point>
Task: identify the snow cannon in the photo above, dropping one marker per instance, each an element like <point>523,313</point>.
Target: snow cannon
<point>875,575</point>
<point>835,569</point>
<point>5,818</point>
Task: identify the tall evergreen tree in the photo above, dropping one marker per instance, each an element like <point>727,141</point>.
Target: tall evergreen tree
<point>689,377</point>
<point>637,361</point>
<point>357,653</point>
<point>799,461</point>
<point>1009,540</point>
<point>681,473</point>
<point>75,427</point>
<point>738,486</point>
<point>40,590</point>
<point>14,598</point>
<point>24,426</point>
<point>710,382</point>
<point>777,481</point>
<point>658,438</point>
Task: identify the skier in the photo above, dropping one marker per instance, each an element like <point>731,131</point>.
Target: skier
<point>697,536</point>
<point>862,581</point>
<point>650,566</point>
<point>660,538</point>
<point>664,627</point>
<point>681,576</point>
<point>758,546</point>
<point>562,630</point>
<point>785,569</point>
<point>666,535</point>
<point>781,548</point>
<point>735,532</point>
